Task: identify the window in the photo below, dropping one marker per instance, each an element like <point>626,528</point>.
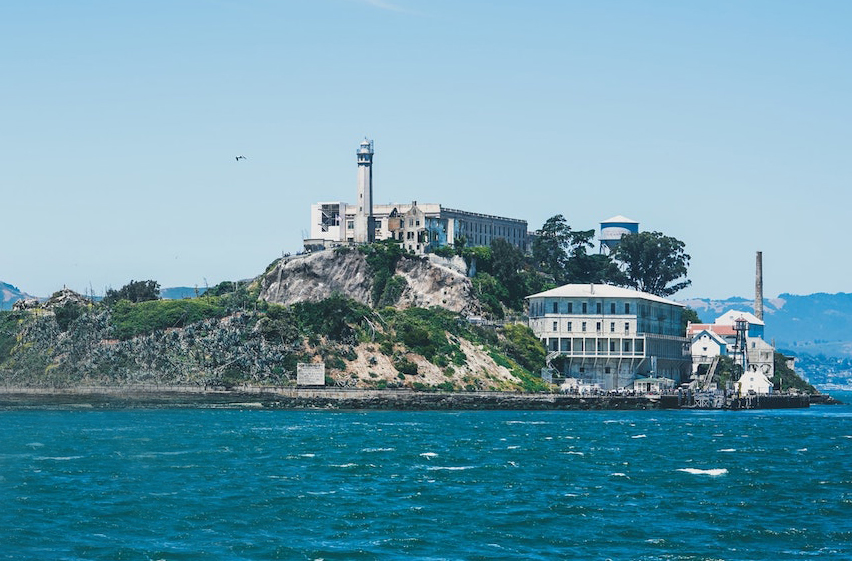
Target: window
<point>585,308</point>
<point>607,370</point>
<point>583,326</point>
<point>555,307</point>
<point>612,327</point>
<point>626,308</point>
<point>555,325</point>
<point>569,326</point>
<point>598,308</point>
<point>598,326</point>
<point>350,224</point>
<point>612,346</point>
<point>570,307</point>
<point>627,328</point>
<point>612,307</point>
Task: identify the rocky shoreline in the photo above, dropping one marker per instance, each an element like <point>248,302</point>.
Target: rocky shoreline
<point>303,398</point>
<point>288,397</point>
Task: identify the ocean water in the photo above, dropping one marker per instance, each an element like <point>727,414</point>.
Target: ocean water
<point>257,484</point>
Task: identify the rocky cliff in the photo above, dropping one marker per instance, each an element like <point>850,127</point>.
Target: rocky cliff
<point>317,276</point>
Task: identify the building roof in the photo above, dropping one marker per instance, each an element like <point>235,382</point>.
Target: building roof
<point>620,219</point>
<point>721,330</point>
<point>600,291</point>
<point>713,335</point>
<point>728,318</point>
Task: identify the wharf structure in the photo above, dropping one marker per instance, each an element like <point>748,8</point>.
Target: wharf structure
<point>420,228</point>
<point>610,337</point>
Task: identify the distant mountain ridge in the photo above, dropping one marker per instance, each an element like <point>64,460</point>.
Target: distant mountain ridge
<point>815,324</point>
<point>9,295</point>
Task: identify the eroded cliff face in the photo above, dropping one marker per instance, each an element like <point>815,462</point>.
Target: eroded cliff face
<point>319,275</point>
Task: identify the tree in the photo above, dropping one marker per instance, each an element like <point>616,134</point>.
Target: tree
<point>688,316</point>
<point>652,261</point>
<point>563,254</point>
<point>583,268</point>
<point>134,291</point>
<point>506,261</point>
<point>550,247</point>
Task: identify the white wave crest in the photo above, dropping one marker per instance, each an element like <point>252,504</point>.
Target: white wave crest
<point>639,436</point>
<point>428,454</point>
<point>449,468</point>
<point>712,472</point>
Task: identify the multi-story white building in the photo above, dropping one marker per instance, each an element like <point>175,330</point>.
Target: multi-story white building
<point>420,227</point>
<point>608,336</point>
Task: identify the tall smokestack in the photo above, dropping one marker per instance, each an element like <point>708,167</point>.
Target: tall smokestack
<point>758,287</point>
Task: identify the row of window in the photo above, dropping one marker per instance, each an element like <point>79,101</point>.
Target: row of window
<point>598,326</point>
<point>582,308</point>
<point>565,345</point>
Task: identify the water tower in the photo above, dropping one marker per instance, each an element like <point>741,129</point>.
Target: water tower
<point>612,230</point>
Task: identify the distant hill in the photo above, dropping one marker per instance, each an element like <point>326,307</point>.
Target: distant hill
<point>814,324</point>
<point>180,292</point>
<point>9,295</point>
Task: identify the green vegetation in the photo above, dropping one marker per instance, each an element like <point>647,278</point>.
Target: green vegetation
<point>67,313</point>
<point>523,346</point>
<point>382,257</point>
<point>786,379</point>
<point>392,291</point>
<point>726,371</point>
<point>432,333</point>
<point>688,316</point>
<point>131,320</point>
<point>335,317</point>
<point>10,323</point>
<point>652,261</point>
<point>134,291</point>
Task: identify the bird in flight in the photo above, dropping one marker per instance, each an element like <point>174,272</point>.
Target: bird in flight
<point>241,158</point>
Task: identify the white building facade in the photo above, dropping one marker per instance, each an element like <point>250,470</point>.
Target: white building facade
<point>609,336</point>
<point>706,345</point>
<point>421,228</point>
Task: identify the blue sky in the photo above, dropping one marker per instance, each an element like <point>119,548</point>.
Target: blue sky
<point>725,124</point>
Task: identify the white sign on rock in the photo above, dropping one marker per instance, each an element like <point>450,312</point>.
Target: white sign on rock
<point>310,374</point>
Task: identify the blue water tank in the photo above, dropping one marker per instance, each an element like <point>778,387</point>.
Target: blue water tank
<point>614,228</point>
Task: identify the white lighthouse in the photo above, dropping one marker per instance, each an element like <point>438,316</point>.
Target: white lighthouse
<point>365,228</point>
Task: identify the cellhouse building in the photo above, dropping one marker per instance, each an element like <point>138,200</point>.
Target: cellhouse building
<point>419,227</point>
<point>610,336</point>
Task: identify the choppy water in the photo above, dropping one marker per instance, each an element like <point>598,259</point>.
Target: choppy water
<point>249,484</point>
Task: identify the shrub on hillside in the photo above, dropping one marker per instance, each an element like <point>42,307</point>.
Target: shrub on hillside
<point>523,346</point>
<point>335,317</point>
<point>130,320</point>
<point>134,291</point>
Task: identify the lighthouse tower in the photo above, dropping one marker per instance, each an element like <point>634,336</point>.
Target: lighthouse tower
<point>365,228</point>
